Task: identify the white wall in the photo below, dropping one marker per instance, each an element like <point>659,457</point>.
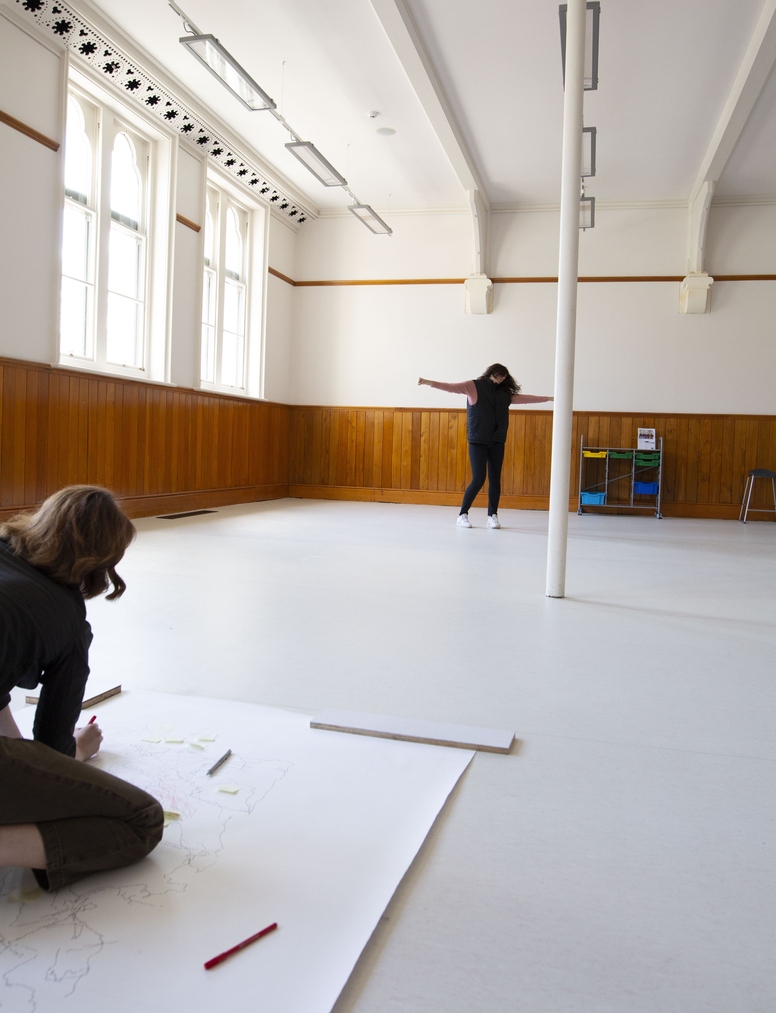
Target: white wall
<point>187,272</point>
<point>281,256</point>
<point>366,345</point>
<point>31,196</point>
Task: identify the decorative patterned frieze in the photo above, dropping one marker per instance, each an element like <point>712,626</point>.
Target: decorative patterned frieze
<point>100,53</point>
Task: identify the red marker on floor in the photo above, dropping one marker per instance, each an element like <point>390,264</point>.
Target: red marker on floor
<point>240,946</point>
<point>92,719</point>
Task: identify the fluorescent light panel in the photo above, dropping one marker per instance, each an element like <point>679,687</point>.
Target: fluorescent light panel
<point>587,212</point>
<point>592,20</point>
<point>588,152</point>
<point>211,54</point>
<point>372,220</point>
<point>313,160</point>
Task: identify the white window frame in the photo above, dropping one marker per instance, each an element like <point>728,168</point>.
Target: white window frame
<point>253,217</point>
<point>107,115</point>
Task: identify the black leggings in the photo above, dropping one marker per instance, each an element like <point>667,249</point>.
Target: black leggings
<point>484,457</point>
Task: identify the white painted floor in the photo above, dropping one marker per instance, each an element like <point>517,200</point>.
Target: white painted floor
<point>623,859</point>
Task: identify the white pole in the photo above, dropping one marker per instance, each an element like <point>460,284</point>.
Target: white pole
<point>568,266</point>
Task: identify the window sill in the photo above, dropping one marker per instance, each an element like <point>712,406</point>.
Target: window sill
<point>92,370</point>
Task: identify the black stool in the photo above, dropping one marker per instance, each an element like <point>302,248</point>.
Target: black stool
<point>753,474</point>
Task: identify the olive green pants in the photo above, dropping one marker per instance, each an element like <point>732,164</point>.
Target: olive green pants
<point>89,820</point>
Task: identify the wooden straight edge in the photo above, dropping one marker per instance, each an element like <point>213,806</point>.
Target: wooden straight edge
<point>283,277</point>
<point>97,698</point>
<point>189,224</point>
<point>23,128</point>
<point>434,733</point>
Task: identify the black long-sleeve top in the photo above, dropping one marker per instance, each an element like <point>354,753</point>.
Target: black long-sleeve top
<point>44,639</point>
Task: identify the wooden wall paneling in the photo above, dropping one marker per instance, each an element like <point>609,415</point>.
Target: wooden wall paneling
<point>413,478</point>
<point>424,460</point>
<point>41,485</point>
<point>358,463</point>
<point>351,417</point>
<point>458,451</point>
<point>433,455</point>
<point>669,460</point>
<point>704,461</point>
<point>727,444</point>
<point>405,473</point>
<point>716,436</point>
<point>369,449</point>
<point>315,452</point>
<point>31,440</point>
<point>382,443</point>
<point>691,461</point>
<point>763,496</point>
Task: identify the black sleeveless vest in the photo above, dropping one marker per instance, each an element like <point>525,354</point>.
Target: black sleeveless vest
<point>488,420</point>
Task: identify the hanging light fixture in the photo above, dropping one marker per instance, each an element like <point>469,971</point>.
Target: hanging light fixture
<point>371,219</point>
<point>588,151</point>
<point>586,211</point>
<point>319,166</point>
<point>221,64</point>
<point>593,15</point>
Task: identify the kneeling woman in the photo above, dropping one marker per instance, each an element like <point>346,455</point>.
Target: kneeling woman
<point>488,400</point>
<point>58,815</point>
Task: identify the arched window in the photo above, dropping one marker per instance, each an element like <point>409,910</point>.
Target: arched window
<point>234,245</point>
<point>126,257</point>
<point>79,236</point>
<point>224,299</point>
<point>209,291</point>
<point>78,154</point>
<point>125,183</point>
<point>105,315</point>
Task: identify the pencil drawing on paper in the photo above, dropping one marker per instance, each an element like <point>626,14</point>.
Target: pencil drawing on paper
<point>49,942</point>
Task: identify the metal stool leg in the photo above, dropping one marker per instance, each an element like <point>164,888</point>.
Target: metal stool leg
<point>747,497</point>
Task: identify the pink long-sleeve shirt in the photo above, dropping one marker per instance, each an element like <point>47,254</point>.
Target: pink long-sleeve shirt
<point>469,388</point>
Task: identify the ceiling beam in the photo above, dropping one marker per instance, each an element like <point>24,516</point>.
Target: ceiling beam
<point>758,62</point>
<point>750,80</point>
<point>403,35</point>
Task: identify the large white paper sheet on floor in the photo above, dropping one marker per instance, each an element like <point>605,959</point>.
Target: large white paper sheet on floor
<point>317,838</point>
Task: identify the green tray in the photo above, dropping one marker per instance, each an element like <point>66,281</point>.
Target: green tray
<point>618,456</point>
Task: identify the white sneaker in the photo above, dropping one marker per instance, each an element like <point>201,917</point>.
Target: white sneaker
<point>463,521</point>
<point>493,521</point>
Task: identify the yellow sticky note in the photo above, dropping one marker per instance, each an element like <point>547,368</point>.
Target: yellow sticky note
<point>150,738</point>
<point>196,745</point>
<point>171,814</point>
<point>173,739</point>
<point>206,737</point>
<point>230,789</point>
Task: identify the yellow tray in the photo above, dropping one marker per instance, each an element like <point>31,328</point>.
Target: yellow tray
<point>594,453</point>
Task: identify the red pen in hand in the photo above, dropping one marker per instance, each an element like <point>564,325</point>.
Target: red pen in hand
<point>92,719</point>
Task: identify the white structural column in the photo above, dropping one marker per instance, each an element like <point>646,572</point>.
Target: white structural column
<point>568,270</point>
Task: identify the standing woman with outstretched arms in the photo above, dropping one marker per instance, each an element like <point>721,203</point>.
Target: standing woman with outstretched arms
<point>59,815</point>
<point>487,410</point>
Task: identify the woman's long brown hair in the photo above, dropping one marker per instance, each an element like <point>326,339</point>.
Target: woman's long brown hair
<point>77,536</point>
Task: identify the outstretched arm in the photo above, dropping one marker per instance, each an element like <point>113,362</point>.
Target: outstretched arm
<point>530,398</point>
<point>466,387</point>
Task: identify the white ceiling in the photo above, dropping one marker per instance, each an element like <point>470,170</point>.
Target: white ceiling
<point>666,70</point>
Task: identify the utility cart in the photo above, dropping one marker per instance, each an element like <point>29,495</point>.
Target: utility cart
<point>620,478</point>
